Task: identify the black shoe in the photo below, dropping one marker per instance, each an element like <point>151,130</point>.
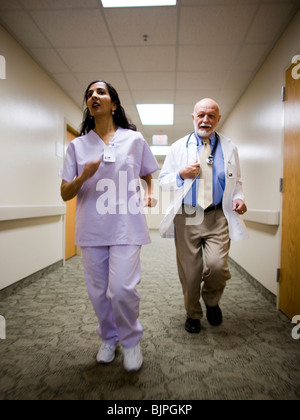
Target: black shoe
<point>214,315</point>
<point>193,326</point>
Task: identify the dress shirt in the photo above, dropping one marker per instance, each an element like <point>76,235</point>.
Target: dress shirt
<point>218,175</point>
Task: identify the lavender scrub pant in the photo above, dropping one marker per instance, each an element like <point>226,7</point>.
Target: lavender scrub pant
<point>112,274</point>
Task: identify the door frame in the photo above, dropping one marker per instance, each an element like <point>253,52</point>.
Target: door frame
<point>68,128</point>
<point>286,273</point>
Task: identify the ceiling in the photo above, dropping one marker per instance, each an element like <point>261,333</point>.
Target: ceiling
<point>200,48</point>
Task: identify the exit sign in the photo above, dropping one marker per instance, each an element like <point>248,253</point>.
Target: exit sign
<point>160,140</point>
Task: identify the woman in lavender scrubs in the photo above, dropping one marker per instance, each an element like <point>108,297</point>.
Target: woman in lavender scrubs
<point>102,168</point>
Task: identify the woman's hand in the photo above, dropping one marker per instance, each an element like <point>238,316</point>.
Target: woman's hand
<point>90,169</point>
<point>69,190</point>
<point>149,200</point>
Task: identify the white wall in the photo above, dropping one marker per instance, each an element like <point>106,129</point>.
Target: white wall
<point>256,125</point>
<point>33,116</point>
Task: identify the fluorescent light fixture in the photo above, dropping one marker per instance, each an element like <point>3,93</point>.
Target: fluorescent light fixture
<point>156,114</point>
<point>160,150</point>
<point>137,3</point>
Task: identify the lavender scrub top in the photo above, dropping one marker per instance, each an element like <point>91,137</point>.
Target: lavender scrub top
<point>109,205</point>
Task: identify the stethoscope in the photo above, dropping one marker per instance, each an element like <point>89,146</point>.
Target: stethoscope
<point>210,159</point>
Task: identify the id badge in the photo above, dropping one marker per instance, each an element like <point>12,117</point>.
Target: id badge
<point>109,154</point>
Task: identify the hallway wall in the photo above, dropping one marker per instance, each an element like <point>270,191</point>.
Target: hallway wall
<point>33,116</point>
<point>256,125</point>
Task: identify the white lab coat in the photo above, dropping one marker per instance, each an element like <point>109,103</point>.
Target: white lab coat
<point>177,159</point>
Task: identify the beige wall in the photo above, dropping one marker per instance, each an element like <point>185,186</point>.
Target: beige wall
<point>256,125</point>
<point>33,116</point>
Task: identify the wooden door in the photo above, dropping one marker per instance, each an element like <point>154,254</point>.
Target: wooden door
<point>289,293</point>
<point>70,247</point>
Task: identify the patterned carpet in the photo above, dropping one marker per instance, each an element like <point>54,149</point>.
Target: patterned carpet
<point>50,347</point>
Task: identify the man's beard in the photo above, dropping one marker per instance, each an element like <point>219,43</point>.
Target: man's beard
<point>204,133</point>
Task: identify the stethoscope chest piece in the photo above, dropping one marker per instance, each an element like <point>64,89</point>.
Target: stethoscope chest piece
<point>210,160</point>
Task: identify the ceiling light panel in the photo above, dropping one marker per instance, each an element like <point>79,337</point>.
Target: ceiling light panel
<point>156,114</point>
<point>137,3</point>
<point>160,150</point>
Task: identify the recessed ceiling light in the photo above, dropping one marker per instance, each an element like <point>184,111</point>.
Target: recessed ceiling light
<point>137,3</point>
<point>156,114</point>
<point>160,150</point>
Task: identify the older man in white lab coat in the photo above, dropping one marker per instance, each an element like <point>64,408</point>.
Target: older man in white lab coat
<point>203,233</point>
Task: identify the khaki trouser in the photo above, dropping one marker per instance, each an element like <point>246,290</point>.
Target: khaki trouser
<point>202,254</point>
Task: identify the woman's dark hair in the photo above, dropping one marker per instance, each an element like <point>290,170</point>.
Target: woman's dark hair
<point>119,117</point>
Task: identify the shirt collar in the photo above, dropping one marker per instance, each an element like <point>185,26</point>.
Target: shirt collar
<point>212,139</point>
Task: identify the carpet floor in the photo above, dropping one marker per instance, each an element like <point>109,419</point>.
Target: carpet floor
<point>51,344</point>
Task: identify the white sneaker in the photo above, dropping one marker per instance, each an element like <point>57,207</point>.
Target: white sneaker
<point>133,359</point>
<point>106,353</point>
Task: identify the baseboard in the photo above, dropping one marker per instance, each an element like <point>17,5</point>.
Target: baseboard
<point>10,290</point>
<point>265,292</point>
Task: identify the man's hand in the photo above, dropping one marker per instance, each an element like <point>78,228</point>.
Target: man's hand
<point>239,206</point>
<point>190,171</point>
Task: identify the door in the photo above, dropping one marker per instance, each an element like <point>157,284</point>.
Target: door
<point>289,292</point>
<point>70,247</point>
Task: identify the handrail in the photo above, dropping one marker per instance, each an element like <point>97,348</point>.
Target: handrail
<point>30,212</point>
<point>266,217</point>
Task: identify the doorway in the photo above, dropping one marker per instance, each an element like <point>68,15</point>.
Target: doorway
<point>289,291</point>
<point>70,247</point>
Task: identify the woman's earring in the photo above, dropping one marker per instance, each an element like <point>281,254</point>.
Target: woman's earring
<point>113,112</point>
